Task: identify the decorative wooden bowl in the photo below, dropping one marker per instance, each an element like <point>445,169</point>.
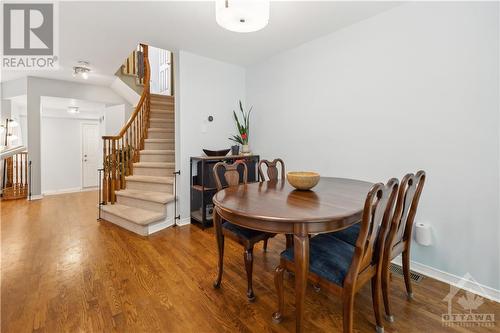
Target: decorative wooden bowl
<point>302,180</point>
<point>222,152</point>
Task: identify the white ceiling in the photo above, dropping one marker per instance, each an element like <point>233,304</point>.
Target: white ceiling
<point>104,33</point>
<point>54,106</point>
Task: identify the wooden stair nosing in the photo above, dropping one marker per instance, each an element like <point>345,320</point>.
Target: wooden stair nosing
<point>161,120</point>
<point>162,96</point>
<point>157,197</point>
<point>133,214</point>
<point>150,179</point>
<point>161,130</point>
<point>162,165</point>
<point>157,152</point>
<point>162,111</point>
<point>159,140</point>
<point>162,105</point>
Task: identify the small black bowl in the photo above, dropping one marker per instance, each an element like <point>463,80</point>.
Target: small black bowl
<point>222,152</point>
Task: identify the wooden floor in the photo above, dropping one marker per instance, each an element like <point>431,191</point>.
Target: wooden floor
<point>62,271</point>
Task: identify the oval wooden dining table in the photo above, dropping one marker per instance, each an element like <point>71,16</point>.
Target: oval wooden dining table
<point>276,207</point>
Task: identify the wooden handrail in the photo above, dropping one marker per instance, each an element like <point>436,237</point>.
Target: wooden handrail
<point>122,150</point>
<point>144,95</point>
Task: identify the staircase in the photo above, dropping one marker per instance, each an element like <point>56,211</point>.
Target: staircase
<point>138,178</point>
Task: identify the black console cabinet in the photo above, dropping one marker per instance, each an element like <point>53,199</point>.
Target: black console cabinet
<point>203,185</point>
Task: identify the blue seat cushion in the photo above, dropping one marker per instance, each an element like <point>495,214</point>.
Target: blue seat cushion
<point>243,232</point>
<point>348,235</point>
<point>329,257</point>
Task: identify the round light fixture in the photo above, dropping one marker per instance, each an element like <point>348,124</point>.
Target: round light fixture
<point>242,15</point>
<point>81,70</point>
<point>73,109</point>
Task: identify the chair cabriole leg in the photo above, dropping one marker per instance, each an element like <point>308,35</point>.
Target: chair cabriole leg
<point>248,257</point>
<point>278,282</point>
<point>406,273</point>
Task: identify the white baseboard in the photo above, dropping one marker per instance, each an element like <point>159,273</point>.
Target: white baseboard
<point>65,190</point>
<point>69,190</point>
<point>184,221</point>
<point>152,228</point>
<point>36,197</point>
<point>465,283</point>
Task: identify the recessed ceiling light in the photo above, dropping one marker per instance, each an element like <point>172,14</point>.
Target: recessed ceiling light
<point>81,70</point>
<point>242,15</point>
<point>73,109</point>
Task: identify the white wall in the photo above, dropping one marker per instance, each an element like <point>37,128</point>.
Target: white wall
<point>19,115</point>
<point>5,110</point>
<point>13,88</point>
<point>114,119</point>
<point>122,89</point>
<point>38,87</point>
<point>205,87</point>
<point>412,88</point>
<point>61,144</point>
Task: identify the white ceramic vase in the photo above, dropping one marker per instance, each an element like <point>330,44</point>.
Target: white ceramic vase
<point>245,149</point>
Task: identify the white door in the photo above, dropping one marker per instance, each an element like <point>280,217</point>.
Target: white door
<point>90,150</point>
<point>164,72</point>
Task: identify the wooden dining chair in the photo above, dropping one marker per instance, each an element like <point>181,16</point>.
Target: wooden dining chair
<point>343,268</point>
<point>273,175</point>
<point>400,233</point>
<point>244,236</point>
<point>272,169</point>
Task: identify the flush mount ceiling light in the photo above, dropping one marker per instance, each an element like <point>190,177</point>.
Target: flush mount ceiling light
<point>73,109</point>
<point>81,70</point>
<point>242,15</point>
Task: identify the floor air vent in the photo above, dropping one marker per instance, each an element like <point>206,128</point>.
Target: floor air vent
<point>398,270</point>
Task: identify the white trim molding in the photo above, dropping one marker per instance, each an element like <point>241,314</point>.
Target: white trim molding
<point>464,283</point>
<point>182,222</point>
<point>69,190</point>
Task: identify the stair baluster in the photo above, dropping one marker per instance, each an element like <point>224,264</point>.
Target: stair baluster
<point>16,177</point>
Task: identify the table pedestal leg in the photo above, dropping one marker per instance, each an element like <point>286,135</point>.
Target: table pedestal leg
<point>220,246</point>
<point>301,252</point>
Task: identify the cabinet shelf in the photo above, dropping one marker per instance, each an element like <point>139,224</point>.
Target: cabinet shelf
<point>202,189</point>
<point>197,216</point>
<point>203,183</point>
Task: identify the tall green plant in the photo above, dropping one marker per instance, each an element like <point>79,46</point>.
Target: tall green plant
<point>243,126</point>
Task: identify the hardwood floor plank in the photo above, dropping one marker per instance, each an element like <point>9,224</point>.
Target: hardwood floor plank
<point>63,271</point>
